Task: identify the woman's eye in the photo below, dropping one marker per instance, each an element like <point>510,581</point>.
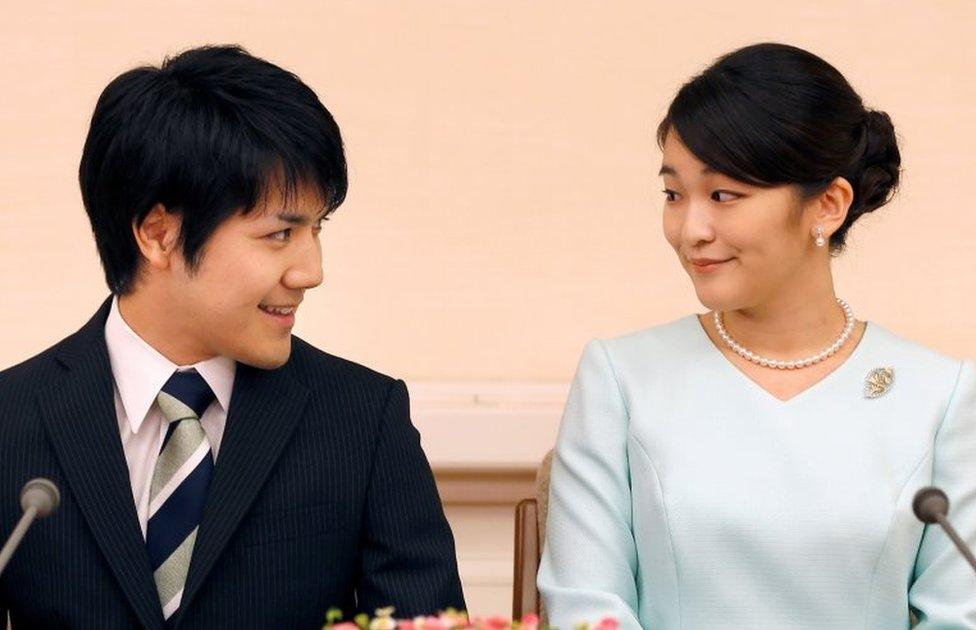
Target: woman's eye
<point>669,195</point>
<point>729,196</point>
<point>283,235</point>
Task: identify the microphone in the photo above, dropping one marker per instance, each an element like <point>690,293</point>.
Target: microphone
<point>39,498</point>
<point>931,505</point>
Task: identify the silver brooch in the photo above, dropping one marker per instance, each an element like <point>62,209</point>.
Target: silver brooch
<point>878,382</point>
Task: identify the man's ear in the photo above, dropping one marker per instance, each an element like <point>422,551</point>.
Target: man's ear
<point>832,207</point>
<point>156,236</point>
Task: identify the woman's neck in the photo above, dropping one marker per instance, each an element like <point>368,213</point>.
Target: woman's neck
<point>794,323</point>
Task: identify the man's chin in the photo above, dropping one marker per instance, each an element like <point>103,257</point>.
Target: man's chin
<point>271,360</point>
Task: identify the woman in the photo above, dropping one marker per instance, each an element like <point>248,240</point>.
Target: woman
<point>754,467</point>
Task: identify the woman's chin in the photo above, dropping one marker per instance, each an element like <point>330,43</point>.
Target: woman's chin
<point>715,299</point>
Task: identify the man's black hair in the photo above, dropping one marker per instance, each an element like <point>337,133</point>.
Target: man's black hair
<point>206,134</point>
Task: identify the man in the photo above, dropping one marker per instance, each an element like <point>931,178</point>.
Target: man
<point>215,471</point>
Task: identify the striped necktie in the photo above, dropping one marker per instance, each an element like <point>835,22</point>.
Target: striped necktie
<point>179,487</point>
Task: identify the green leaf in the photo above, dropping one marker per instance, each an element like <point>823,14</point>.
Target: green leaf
<point>333,615</point>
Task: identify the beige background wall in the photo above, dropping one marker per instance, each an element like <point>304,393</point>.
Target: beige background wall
<point>503,205</point>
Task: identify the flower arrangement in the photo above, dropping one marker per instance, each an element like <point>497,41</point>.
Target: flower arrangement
<point>448,620</point>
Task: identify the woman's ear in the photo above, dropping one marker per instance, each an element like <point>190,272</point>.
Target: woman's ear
<point>832,206</point>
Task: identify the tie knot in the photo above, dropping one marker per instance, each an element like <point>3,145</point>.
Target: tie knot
<point>185,395</point>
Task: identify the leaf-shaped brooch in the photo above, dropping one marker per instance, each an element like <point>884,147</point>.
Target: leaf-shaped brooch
<point>878,382</point>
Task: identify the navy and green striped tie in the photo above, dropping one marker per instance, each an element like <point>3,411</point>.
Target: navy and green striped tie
<point>179,487</point>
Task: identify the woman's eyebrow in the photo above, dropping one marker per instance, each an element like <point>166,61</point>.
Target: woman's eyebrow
<point>669,170</point>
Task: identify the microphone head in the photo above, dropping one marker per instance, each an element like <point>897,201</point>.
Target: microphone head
<point>42,494</point>
<point>929,504</point>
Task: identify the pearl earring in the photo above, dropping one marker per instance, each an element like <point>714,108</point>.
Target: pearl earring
<point>821,241</point>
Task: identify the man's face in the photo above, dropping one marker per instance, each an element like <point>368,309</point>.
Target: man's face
<point>251,266</point>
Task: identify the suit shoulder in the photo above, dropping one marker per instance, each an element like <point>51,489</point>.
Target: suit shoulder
<point>31,372</point>
<point>317,365</point>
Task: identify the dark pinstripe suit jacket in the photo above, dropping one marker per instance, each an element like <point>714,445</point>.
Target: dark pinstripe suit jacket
<point>321,497</point>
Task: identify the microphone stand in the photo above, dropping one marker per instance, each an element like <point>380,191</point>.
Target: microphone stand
<point>931,505</point>
<point>39,498</point>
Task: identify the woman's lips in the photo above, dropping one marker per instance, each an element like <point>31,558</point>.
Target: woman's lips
<point>708,265</point>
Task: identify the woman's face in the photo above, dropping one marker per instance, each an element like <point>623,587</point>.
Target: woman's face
<point>740,244</point>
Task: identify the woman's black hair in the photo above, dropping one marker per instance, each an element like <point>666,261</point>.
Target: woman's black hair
<point>772,114</point>
<point>206,134</point>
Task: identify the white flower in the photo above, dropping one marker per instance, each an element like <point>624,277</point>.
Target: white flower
<point>383,623</point>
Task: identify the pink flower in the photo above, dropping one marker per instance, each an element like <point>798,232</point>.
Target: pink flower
<point>345,625</point>
<point>607,623</point>
<point>497,623</point>
<point>529,622</point>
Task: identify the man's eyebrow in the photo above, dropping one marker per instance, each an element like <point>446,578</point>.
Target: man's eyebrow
<point>300,219</point>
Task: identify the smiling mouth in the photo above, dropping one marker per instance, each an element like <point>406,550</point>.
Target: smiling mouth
<point>278,310</point>
<point>280,316</point>
<point>705,266</point>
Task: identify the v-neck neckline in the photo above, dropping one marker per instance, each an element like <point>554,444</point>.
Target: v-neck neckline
<point>765,393</point>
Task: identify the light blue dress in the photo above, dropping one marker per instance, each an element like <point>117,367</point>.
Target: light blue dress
<point>683,495</point>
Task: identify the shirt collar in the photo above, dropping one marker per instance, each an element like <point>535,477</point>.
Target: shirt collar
<point>140,371</point>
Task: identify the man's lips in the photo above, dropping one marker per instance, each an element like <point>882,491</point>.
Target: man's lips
<point>285,315</point>
<point>288,308</point>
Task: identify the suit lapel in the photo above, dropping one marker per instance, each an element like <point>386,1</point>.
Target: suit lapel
<point>80,418</point>
<point>265,408</point>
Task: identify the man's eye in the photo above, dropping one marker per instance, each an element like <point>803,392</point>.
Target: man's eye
<point>669,195</point>
<point>283,235</point>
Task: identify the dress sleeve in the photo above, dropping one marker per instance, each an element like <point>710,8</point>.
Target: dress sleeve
<point>589,562</point>
<point>943,593</point>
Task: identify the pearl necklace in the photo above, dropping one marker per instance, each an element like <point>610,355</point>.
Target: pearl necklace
<point>790,365</point>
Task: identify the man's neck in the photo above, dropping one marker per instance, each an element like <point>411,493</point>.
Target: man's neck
<point>161,329</point>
